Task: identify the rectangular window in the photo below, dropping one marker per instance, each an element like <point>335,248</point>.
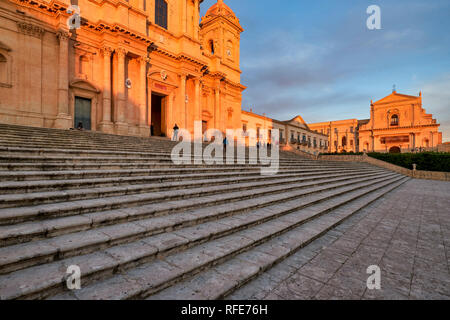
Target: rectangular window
<point>161,13</point>
<point>244,127</point>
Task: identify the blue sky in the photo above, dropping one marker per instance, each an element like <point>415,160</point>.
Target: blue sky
<point>319,60</point>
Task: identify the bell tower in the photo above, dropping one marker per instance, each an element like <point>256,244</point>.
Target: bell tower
<point>220,37</point>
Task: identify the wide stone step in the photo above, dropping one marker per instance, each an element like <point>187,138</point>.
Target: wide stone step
<point>255,243</point>
<point>222,280</point>
<point>39,160</point>
<point>24,232</point>
<point>13,187</point>
<point>86,145</point>
<point>139,164</point>
<point>103,263</point>
<point>29,254</point>
<point>191,198</point>
<point>37,198</point>
<point>89,174</point>
<point>74,174</point>
<point>68,153</point>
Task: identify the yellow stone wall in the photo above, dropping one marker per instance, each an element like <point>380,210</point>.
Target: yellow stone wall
<point>48,65</point>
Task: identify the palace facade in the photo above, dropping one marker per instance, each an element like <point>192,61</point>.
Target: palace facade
<point>398,123</point>
<point>129,64</point>
<point>294,134</point>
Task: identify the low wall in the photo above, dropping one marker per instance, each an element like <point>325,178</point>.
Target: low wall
<point>342,158</point>
<point>418,174</point>
<point>301,153</point>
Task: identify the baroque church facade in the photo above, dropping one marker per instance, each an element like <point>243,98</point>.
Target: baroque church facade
<point>129,64</point>
<point>398,123</point>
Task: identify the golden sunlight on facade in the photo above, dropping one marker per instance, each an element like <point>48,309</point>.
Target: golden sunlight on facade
<point>294,134</point>
<point>397,123</point>
<point>129,65</point>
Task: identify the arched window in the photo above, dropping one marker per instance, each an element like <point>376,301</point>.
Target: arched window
<point>394,120</point>
<point>161,13</point>
<point>211,47</point>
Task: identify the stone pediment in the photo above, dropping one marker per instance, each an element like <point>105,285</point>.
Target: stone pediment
<point>162,76</point>
<point>396,98</point>
<point>84,85</point>
<point>4,46</point>
<point>299,122</point>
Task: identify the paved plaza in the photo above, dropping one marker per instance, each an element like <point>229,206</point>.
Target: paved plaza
<point>406,233</point>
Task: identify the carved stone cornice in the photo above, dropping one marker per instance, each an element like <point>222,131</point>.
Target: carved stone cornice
<point>30,29</point>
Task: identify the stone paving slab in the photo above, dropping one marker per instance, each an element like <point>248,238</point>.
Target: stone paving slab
<point>405,233</point>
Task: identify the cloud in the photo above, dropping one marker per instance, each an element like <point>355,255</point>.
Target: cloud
<point>436,100</point>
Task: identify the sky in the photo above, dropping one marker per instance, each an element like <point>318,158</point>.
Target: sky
<point>319,60</point>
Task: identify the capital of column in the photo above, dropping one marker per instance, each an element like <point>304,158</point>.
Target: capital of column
<point>144,60</point>
<point>30,29</point>
<point>106,51</point>
<point>63,35</point>
<point>121,53</point>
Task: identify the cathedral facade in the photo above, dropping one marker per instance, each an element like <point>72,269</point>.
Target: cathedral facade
<point>126,66</point>
<point>398,123</point>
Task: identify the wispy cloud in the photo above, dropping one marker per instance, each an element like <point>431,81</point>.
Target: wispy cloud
<point>436,100</point>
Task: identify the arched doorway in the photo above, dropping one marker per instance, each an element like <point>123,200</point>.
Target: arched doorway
<point>395,150</point>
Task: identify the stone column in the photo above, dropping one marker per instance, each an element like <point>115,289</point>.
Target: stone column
<point>169,112</point>
<point>217,107</point>
<point>143,127</point>
<point>63,120</point>
<point>373,142</point>
<point>184,17</point>
<point>432,139</point>
<point>196,19</point>
<point>106,124</point>
<point>183,101</point>
<point>121,125</point>
<point>198,112</point>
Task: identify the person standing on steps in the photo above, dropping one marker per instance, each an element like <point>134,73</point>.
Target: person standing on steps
<point>175,133</point>
<point>80,126</point>
<point>225,142</point>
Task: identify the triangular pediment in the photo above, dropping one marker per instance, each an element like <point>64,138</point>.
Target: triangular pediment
<point>298,121</point>
<point>395,98</point>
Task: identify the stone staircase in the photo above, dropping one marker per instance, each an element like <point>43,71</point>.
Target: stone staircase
<point>141,227</point>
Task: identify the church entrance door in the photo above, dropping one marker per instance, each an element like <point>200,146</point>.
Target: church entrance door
<point>82,113</point>
<point>158,116</point>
